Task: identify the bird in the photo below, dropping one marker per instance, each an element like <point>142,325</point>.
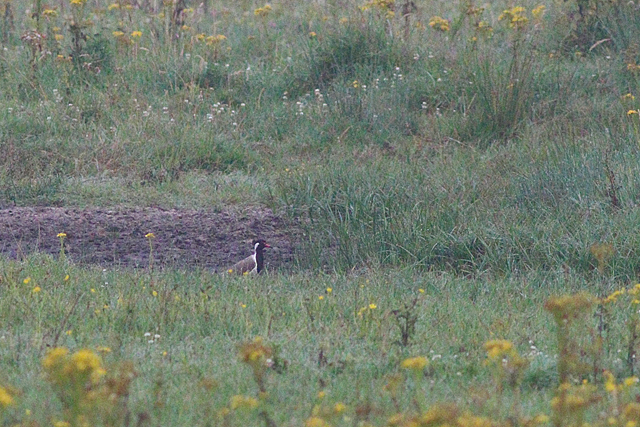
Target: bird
<point>253,264</point>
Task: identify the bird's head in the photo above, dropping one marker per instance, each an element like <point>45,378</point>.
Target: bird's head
<point>259,244</point>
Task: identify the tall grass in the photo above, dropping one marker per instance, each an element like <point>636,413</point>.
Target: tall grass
<point>476,144</point>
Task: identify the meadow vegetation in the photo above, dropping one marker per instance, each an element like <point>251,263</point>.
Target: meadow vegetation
<point>465,177</point>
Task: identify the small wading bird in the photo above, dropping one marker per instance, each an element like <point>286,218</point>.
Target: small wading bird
<point>253,264</point>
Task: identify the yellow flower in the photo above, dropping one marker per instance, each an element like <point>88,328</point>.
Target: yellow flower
<point>85,360</point>
<point>254,352</point>
<point>55,357</point>
<point>541,419</point>
<point>440,24</point>
<point>150,236</point>
<point>415,363</point>
<point>614,296</point>
<point>631,112</point>
<point>136,34</point>
<point>230,270</point>
<point>69,332</point>
<point>538,11</point>
<point>498,348</point>
<point>27,280</point>
<point>78,2</point>
<point>629,96</point>
<point>262,11</point>
<point>154,293</point>
<point>421,290</point>
<point>5,397</point>
<point>312,34</point>
<point>609,382</point>
<point>316,422</point>
<point>117,34</point>
<point>630,381</point>
<point>50,12</point>
<point>321,394</point>
<point>372,306</point>
<point>355,84</point>
<point>339,407</point>
<point>514,17</point>
<point>329,290</point>
<point>58,37</point>
<point>66,277</point>
<point>185,28</point>
<point>243,402</point>
<point>103,349</point>
<point>36,289</point>
<point>484,28</point>
<point>212,40</point>
<point>321,297</point>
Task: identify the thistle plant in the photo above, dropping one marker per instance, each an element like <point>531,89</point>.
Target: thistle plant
<point>259,358</point>
<point>507,367</point>
<point>627,300</point>
<point>570,403</point>
<point>75,379</point>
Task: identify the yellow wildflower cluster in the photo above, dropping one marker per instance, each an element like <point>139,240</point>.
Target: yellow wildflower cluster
<point>263,11</point>
<point>385,6</point>
<point>214,40</point>
<point>324,413</point>
<point>634,68</point>
<point>572,400</point>
<point>498,349</point>
<point>537,12</point>
<point>439,24</point>
<point>612,387</point>
<point>78,2</point>
<point>484,28</point>
<point>83,366</point>
<point>255,353</point>
<point>602,252</point>
<point>364,309</point>
<point>632,292</point>
<point>514,17</point>
<point>6,398</point>
<point>415,363</point>
<point>474,11</point>
<point>569,306</point>
<point>240,401</point>
<point>50,13</point>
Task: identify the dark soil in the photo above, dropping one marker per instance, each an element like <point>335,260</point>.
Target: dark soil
<point>184,238</point>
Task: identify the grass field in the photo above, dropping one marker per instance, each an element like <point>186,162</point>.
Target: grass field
<point>462,181</point>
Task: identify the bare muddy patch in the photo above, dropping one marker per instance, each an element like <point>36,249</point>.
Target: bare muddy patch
<point>184,238</point>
